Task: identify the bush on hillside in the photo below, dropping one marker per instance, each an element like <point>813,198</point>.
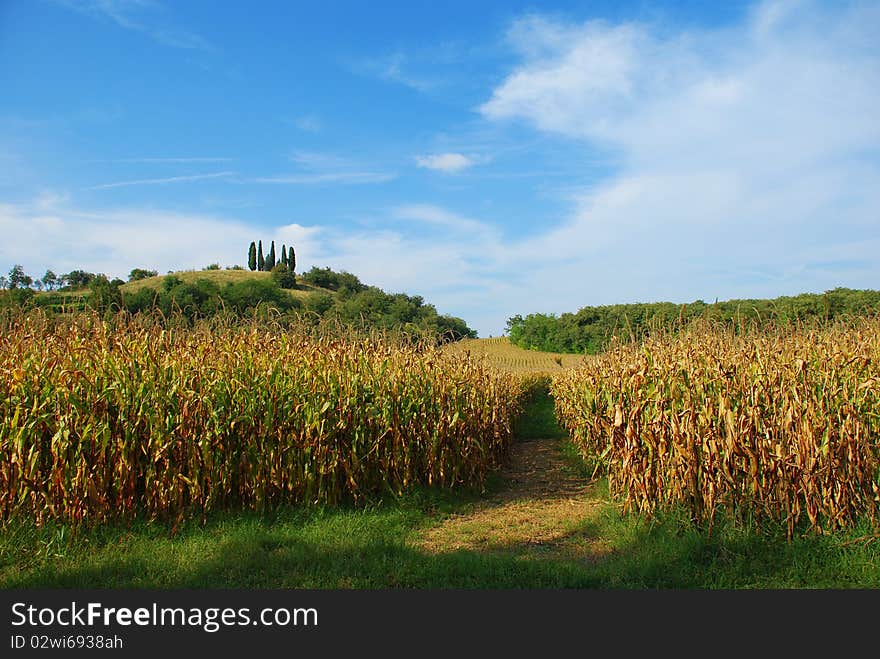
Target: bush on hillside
<point>141,273</point>
<point>282,276</point>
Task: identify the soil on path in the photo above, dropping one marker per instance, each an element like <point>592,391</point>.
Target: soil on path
<point>544,509</point>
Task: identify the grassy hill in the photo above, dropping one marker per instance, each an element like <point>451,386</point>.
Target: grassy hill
<point>337,296</point>
<point>77,298</point>
<point>221,278</point>
<point>189,276</point>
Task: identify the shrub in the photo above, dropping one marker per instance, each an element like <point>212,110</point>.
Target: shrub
<point>283,276</point>
<point>141,273</point>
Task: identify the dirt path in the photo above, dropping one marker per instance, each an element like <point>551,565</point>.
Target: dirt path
<point>543,509</point>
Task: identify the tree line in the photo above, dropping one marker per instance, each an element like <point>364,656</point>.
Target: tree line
<point>74,280</point>
<point>17,279</point>
<point>590,329</point>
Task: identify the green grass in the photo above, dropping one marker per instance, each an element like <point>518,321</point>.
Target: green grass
<point>220,277</point>
<point>217,276</point>
<point>373,547</point>
<point>369,548</point>
<point>539,418</point>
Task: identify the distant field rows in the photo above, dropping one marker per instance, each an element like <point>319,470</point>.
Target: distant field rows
<point>503,355</point>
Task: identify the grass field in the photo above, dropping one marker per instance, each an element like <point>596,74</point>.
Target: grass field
<point>218,276</point>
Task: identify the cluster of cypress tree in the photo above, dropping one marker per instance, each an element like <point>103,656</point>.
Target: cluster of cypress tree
<point>256,260</point>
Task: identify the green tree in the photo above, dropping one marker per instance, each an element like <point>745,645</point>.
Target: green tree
<point>261,261</point>
<point>291,259</point>
<point>105,295</point>
<point>334,281</point>
<point>252,256</point>
<point>141,273</point>
<point>283,254</point>
<point>78,278</point>
<point>17,278</point>
<point>50,280</point>
<point>270,259</point>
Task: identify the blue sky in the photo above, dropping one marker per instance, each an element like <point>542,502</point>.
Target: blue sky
<point>497,158</point>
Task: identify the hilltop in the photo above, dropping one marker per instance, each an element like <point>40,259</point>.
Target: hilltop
<point>317,293</point>
<point>221,277</point>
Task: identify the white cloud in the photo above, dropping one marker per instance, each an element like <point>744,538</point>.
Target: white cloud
<point>748,156</point>
<point>449,163</point>
<point>113,241</point>
<point>738,93</point>
<point>426,215</point>
<point>51,233</point>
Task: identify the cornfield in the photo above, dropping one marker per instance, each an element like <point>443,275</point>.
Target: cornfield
<point>782,427</point>
<point>102,419</point>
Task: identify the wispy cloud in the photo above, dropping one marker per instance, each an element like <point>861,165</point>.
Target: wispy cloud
<point>441,217</point>
<point>139,16</point>
<point>308,123</point>
<point>325,168</point>
<point>449,163</point>
<point>329,177</point>
<point>316,160</point>
<point>161,181</point>
<point>165,160</point>
<point>393,71</point>
<point>393,68</point>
